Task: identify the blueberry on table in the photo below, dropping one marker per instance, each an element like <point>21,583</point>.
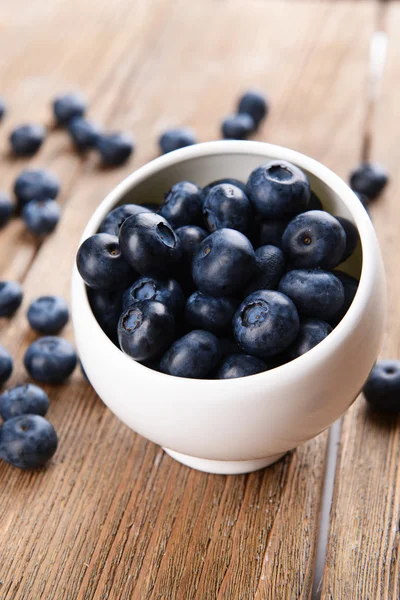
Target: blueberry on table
<point>68,106</point>
<point>230,180</point>
<point>35,184</point>
<point>194,355</point>
<point>315,203</point>
<point>255,104</point>
<point>190,237</point>
<point>311,333</point>
<point>352,237</point>
<point>26,140</point>
<point>237,127</point>
<point>3,108</point>
<point>210,313</point>
<point>28,399</point>
<point>278,190</point>
<point>84,134</point>
<point>369,179</point>
<point>48,314</point>
<point>115,148</point>
<point>316,293</point>
<point>350,286</point>
<point>176,138</point>
<point>240,365</point>
<point>166,291</point>
<point>6,209</point>
<point>149,244</point>
<point>28,441</point>
<point>382,390</point>
<point>146,329</point>
<point>6,365</point>
<point>41,216</point>
<point>182,205</point>
<point>224,263</point>
<point>50,359</point>
<point>101,264</point>
<point>227,206</point>
<point>10,297</point>
<point>270,267</point>
<point>271,232</point>
<point>107,307</point>
<point>266,323</point>
<point>314,239</point>
<point>113,221</point>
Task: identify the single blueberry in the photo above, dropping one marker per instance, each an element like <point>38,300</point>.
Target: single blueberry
<point>271,232</point>
<point>210,313</point>
<point>35,184</point>
<point>10,297</point>
<point>28,399</point>
<point>255,104</point>
<point>6,209</point>
<point>173,139</point>
<point>166,291</point>
<point>227,206</point>
<point>194,355</point>
<point>48,314</point>
<point>350,285</point>
<point>41,216</point>
<point>182,204</point>
<point>6,365</point>
<point>113,221</point>
<point>382,389</point>
<point>101,264</point>
<point>311,333</point>
<point>240,365</point>
<point>229,180</point>
<point>313,240</point>
<point>107,307</point>
<point>352,237</point>
<point>115,148</point>
<point>84,134</point>
<point>270,267</point>
<point>68,106</point>
<point>315,203</point>
<point>149,244</point>
<point>266,323</point>
<point>190,237</point>
<point>278,190</point>
<point>50,359</point>
<point>369,179</point>
<point>316,293</point>
<point>3,108</point>
<point>237,127</point>
<point>146,329</point>
<point>26,140</point>
<point>224,263</point>
<point>28,441</point>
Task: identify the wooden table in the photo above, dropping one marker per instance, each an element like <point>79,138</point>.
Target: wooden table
<point>113,517</point>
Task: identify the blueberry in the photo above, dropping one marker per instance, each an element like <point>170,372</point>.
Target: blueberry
<point>313,240</point>
<point>101,264</point>
<point>3,108</point>
<point>149,244</point>
<point>255,104</point>
<point>117,216</point>
<point>207,312</point>
<point>28,399</point>
<point>316,293</point>
<point>68,106</point>
<point>237,127</point>
<point>48,314</point>
<point>182,204</point>
<point>107,307</point>
<point>194,355</point>
<point>266,323</point>
<point>50,359</point>
<point>36,184</point>
<point>240,365</point>
<point>6,209</point>
<point>350,285</point>
<point>270,267</point>
<point>315,203</point>
<point>190,237</point>
<point>6,365</point>
<point>145,329</point>
<point>224,263</point>
<point>84,134</point>
<point>115,148</point>
<point>278,190</point>
<point>369,179</point>
<point>271,232</point>
<point>41,216</point>
<point>173,139</point>
<point>26,140</point>
<point>227,206</point>
<point>311,333</point>
<point>28,441</point>
<point>230,180</point>
<point>382,390</point>
<point>166,291</point>
<point>10,297</point>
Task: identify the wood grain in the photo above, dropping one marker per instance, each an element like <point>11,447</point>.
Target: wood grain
<point>112,517</point>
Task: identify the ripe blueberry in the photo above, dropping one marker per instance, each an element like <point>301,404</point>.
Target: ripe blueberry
<point>35,184</point>
<point>28,441</point>
<point>270,267</point>
<point>84,134</point>
<point>352,237</point>
<point>48,314</point>
<point>240,365</point>
<point>68,106</point>
<point>369,179</point>
<point>382,390</point>
<point>210,313</point>
<point>10,297</point>
<point>255,104</point>
<point>115,148</point>
<point>101,264</point>
<point>237,127</point>
<point>227,206</point>
<point>166,291</point>
<point>113,221</point>
<point>26,140</point>
<point>173,139</point>
<point>182,204</point>
<point>190,237</point>
<point>41,216</point>
<point>50,359</point>
<point>311,333</point>
<point>194,355</point>
<point>28,399</point>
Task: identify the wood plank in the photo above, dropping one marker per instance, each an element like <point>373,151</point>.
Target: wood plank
<point>112,516</point>
<point>363,549</point>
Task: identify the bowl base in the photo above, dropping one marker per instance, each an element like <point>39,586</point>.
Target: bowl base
<point>224,467</point>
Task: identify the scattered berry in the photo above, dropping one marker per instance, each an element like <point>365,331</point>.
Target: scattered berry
<point>227,206</point>
<point>28,399</point>
<point>27,442</point>
<point>84,134</point>
<point>68,106</point>
<point>6,365</point>
<point>382,390</point>
<point>6,209</point>
<point>166,291</point>
<point>101,264</point>
<point>173,139</point>
<point>26,140</point>
<point>311,333</point>
<point>10,297</point>
<point>182,205</point>
<point>237,127</point>
<point>194,355</point>
<point>35,184</point>
<point>255,104</point>
<point>115,148</point>
<point>113,221</point>
<point>270,267</point>
<point>210,313</point>
<point>369,179</point>
<point>41,216</point>
<point>50,359</point>
<point>240,365</point>
<point>48,314</point>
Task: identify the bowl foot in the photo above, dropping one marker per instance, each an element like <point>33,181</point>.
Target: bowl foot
<point>224,467</point>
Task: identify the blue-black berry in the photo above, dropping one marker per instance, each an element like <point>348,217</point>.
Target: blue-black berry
<point>240,365</point>
<point>194,355</point>
<point>50,359</point>
<point>41,216</point>
<point>101,264</point>
<point>237,127</point>
<point>115,148</point>
<point>28,399</point>
<point>10,297</point>
<point>255,104</point>
<point>369,179</point>
<point>227,206</point>
<point>173,139</point>
<point>68,106</point>
<point>166,291</point>
<point>26,140</point>
<point>113,221</point>
<point>28,441</point>
<point>84,134</point>
<point>48,314</point>
<point>182,205</point>
<point>382,389</point>
<point>35,184</point>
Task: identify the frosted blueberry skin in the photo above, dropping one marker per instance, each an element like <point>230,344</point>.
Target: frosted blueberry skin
<point>6,365</point>
<point>311,333</point>
<point>35,184</point>
<point>28,441</point>
<point>382,390</point>
<point>26,140</point>
<point>28,399</point>
<point>48,314</point>
<point>166,291</point>
<point>227,206</point>
<point>115,148</point>
<point>194,355</point>
<point>68,106</point>
<point>240,365</point>
<point>101,264</point>
<point>10,297</point>
<point>255,104</point>
<point>41,216</point>
<point>352,237</point>
<point>237,127</point>
<point>369,179</point>
<point>113,221</point>
<point>176,138</point>
<point>210,313</point>
<point>182,205</point>
<point>270,268</point>
<point>50,359</point>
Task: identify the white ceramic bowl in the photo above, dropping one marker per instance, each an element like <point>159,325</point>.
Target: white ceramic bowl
<point>238,425</point>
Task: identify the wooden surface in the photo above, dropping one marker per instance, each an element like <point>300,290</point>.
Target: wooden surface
<point>113,517</point>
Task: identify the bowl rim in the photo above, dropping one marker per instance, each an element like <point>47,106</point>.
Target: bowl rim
<point>369,246</point>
